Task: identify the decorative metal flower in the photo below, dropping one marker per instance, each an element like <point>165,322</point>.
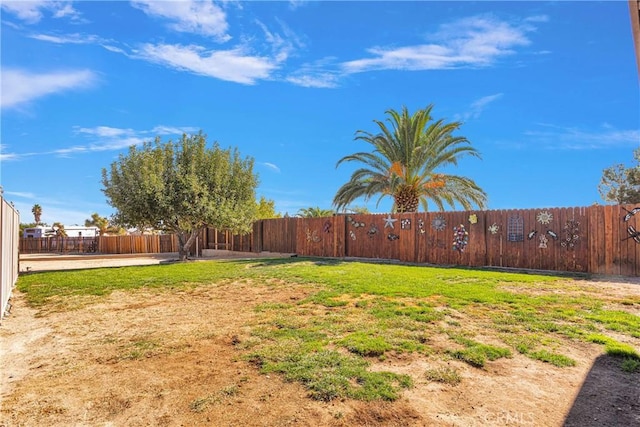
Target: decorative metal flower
<point>473,219</point>
<point>544,217</point>
<point>438,223</point>
<point>494,228</point>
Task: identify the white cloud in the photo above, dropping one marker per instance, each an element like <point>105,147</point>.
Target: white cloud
<point>169,130</point>
<point>271,166</point>
<point>19,86</point>
<point>470,42</point>
<point>67,39</point>
<point>571,138</point>
<point>230,65</point>
<point>190,16</point>
<point>31,11</point>
<point>105,131</point>
<point>23,195</point>
<point>478,106</point>
<point>311,79</point>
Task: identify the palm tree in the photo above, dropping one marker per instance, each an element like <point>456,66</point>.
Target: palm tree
<point>58,227</point>
<point>405,161</point>
<point>98,221</point>
<point>37,213</point>
<point>314,212</point>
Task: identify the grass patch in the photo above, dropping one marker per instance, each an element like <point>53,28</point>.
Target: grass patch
<point>631,365</point>
<point>202,404</point>
<point>475,353</point>
<point>555,359</point>
<point>444,375</point>
<point>358,310</point>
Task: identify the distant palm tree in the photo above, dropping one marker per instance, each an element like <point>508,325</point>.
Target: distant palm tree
<point>98,221</point>
<point>314,212</point>
<point>37,213</point>
<point>405,161</point>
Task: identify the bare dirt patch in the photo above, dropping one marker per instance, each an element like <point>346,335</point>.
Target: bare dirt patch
<point>155,358</point>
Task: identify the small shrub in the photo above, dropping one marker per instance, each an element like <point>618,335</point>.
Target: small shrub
<point>631,365</point>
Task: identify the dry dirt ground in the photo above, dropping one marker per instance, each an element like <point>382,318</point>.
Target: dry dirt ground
<point>159,358</point>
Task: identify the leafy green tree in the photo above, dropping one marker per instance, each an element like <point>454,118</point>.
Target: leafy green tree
<point>314,212</point>
<point>620,184</point>
<point>36,210</point>
<point>266,209</point>
<point>405,161</point>
<point>98,221</point>
<point>181,187</point>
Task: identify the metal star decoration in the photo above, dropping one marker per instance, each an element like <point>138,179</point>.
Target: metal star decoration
<point>388,221</point>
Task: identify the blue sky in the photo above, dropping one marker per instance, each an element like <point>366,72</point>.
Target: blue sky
<point>547,92</point>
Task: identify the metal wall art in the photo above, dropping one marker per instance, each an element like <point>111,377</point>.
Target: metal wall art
<point>327,226</point>
<point>438,223</point>
<point>631,231</point>
<point>405,224</point>
<point>460,238</point>
<point>421,226</point>
<point>544,217</point>
<point>312,236</point>
<point>352,235</point>
<point>543,241</point>
<point>354,223</point>
<point>571,231</point>
<point>373,230</point>
<point>473,219</point>
<point>392,237</point>
<point>494,228</point>
<point>515,229</point>
<point>388,222</point>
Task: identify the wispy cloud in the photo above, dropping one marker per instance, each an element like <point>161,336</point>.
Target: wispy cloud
<point>189,16</point>
<point>478,106</point>
<point>32,11</point>
<point>20,86</point>
<point>74,38</point>
<point>571,138</point>
<point>231,65</point>
<point>22,195</point>
<point>271,166</point>
<point>104,138</point>
<point>477,41</point>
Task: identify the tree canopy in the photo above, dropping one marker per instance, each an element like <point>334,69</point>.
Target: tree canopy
<point>314,212</point>
<point>405,164</point>
<point>181,187</point>
<point>266,208</point>
<point>36,210</point>
<point>620,184</point>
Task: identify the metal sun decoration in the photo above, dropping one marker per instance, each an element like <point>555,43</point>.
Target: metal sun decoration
<point>544,217</point>
<point>439,223</point>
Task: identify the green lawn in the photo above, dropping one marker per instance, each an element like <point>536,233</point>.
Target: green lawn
<point>358,313</point>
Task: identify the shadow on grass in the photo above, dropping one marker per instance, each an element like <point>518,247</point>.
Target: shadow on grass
<point>609,396</point>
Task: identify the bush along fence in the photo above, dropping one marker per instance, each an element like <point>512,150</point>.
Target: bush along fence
<point>594,239</point>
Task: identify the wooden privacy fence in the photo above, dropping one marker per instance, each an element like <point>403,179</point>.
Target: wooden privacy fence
<point>595,239</point>
<point>9,232</point>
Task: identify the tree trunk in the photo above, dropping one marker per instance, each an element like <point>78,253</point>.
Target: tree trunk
<point>184,243</point>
